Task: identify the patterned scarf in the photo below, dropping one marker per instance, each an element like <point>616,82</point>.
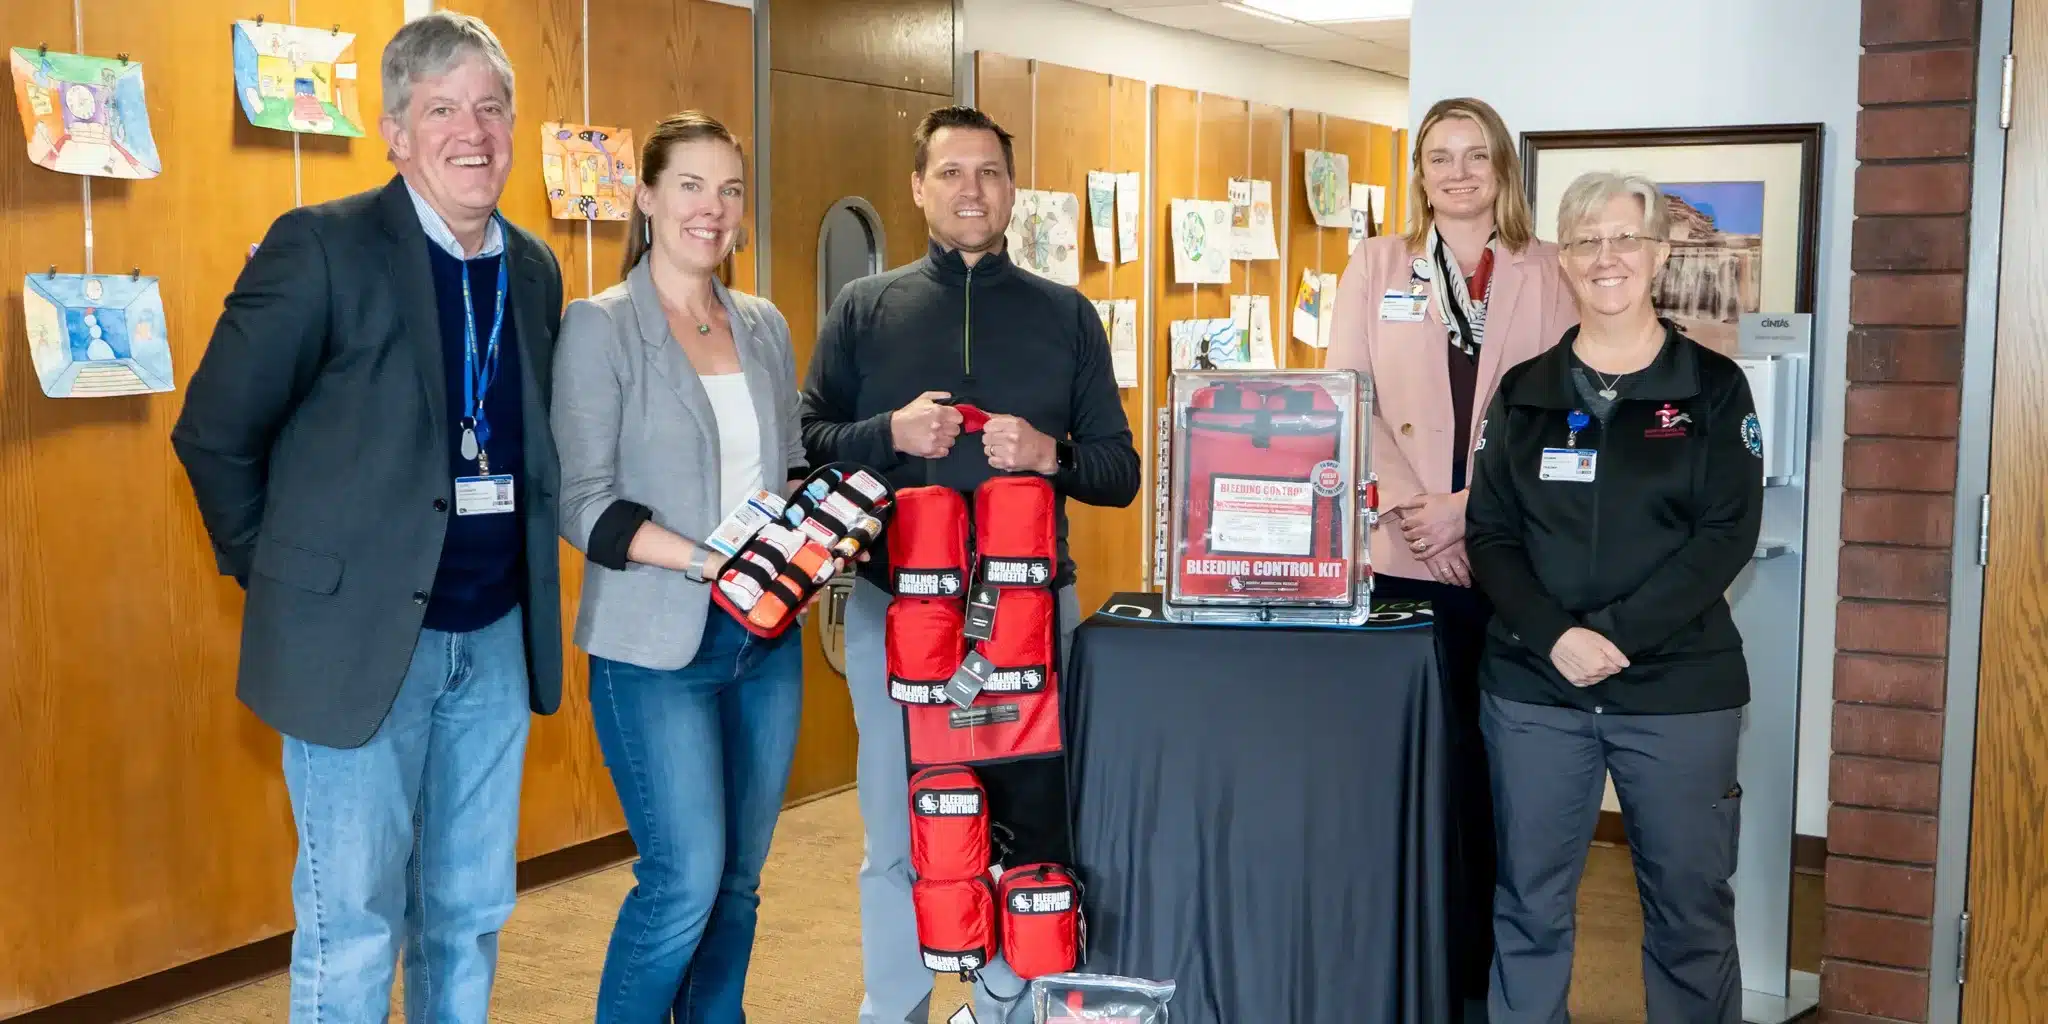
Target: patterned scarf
<point>1463,314</point>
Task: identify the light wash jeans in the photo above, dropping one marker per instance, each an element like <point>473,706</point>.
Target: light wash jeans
<point>701,757</point>
<point>413,834</point>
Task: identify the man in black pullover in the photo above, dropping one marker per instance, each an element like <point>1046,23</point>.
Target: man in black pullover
<point>962,325</point>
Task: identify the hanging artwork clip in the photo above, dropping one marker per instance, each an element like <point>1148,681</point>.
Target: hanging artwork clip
<point>43,50</point>
<point>337,28</point>
<point>259,19</point>
<point>123,56</point>
<point>135,274</point>
<point>53,270</point>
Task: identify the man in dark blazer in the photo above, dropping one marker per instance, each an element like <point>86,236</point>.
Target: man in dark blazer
<point>367,438</point>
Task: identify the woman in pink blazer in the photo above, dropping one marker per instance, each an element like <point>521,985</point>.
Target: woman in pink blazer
<point>1434,317</point>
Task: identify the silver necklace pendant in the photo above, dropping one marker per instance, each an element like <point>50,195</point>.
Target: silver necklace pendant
<point>1609,394</point>
<point>703,328</point>
<point>469,448</point>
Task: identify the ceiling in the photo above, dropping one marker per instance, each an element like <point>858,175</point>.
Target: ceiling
<point>1380,45</point>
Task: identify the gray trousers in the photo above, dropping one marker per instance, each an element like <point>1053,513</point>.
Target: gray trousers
<point>1675,776</point>
<point>899,985</point>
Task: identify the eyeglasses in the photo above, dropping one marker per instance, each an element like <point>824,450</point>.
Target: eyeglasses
<point>1621,245</point>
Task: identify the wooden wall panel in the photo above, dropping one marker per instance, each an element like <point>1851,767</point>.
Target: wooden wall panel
<point>1371,148</point>
<point>1069,122</point>
<point>654,58</point>
<point>148,823</point>
<point>894,44</point>
<point>119,728</point>
<point>831,140</point>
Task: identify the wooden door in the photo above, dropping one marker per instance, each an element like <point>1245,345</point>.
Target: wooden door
<point>2008,966</point>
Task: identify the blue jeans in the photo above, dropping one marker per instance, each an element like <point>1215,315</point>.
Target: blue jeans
<point>414,834</point>
<point>701,757</point>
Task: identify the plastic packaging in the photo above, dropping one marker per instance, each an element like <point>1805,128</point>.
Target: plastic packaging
<point>1099,999</point>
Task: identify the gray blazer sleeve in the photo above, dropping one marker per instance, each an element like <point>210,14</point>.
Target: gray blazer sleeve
<point>585,415</point>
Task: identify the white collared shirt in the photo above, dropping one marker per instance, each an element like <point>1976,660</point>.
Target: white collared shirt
<point>439,233</point>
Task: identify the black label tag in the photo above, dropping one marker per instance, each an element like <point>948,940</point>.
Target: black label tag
<point>1016,572</point>
<point>1030,679</point>
<point>928,582</point>
<point>993,714</point>
<point>949,803</point>
<point>967,682</point>
<point>1041,901</point>
<point>981,613</point>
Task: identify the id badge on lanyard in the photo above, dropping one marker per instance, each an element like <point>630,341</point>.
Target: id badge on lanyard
<point>1571,463</point>
<point>484,493</point>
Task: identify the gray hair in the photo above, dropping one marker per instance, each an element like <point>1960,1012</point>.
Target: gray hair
<point>430,46</point>
<point>1590,193</point>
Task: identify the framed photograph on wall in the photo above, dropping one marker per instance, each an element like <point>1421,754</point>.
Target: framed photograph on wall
<point>1744,204</point>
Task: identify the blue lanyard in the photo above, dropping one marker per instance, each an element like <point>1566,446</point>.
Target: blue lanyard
<point>477,380</point>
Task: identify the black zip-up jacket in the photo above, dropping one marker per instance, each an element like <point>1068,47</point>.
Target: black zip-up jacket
<point>1642,555</point>
<point>993,336</point>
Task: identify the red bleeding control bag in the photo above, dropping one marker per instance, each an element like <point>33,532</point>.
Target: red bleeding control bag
<point>1021,644</point>
<point>956,923</point>
<point>1253,450</point>
<point>948,824</point>
<point>924,645</point>
<point>1041,920</point>
<point>1016,530</point>
<point>928,543</point>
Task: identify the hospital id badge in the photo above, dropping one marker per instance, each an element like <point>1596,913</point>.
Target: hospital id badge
<point>483,495</point>
<point>1403,307</point>
<point>1571,465</point>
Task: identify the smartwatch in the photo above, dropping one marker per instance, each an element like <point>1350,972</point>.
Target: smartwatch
<point>1063,453</point>
<point>698,559</point>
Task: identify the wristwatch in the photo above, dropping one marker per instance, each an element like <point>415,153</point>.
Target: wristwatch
<point>698,559</point>
<point>1063,454</point>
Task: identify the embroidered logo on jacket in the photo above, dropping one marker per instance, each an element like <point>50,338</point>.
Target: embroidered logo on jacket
<point>1753,435</point>
<point>1670,422</point>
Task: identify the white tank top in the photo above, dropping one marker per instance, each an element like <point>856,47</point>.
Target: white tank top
<point>739,439</point>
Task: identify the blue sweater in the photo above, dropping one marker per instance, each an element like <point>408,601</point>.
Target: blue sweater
<point>483,562</point>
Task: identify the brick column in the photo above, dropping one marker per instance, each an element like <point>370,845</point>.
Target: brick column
<point>1911,247</point>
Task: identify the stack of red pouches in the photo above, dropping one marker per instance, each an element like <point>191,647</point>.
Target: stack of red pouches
<point>839,511</point>
<point>974,604</point>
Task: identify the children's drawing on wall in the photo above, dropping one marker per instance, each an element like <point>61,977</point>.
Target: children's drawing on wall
<point>1251,220</point>
<point>1201,241</point>
<point>97,335</point>
<point>1044,234</point>
<point>84,115</point>
<point>1308,308</point>
<point>1212,344</point>
<point>1717,259</point>
<point>1123,342</point>
<point>296,79</point>
<point>1102,213</point>
<point>1328,177</point>
<point>1253,317</point>
<point>1129,207</point>
<point>590,171</point>
<point>1368,211</point>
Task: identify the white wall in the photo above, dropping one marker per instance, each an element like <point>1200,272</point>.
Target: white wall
<point>1579,64</point>
<point>1080,36</point>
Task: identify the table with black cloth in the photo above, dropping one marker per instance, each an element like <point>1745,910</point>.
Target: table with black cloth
<point>1261,814</point>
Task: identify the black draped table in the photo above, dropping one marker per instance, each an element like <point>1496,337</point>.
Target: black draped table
<point>1262,814</point>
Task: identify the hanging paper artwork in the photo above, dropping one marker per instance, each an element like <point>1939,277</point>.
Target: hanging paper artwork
<point>1211,344</point>
<point>1129,207</point>
<point>1253,317</point>
<point>590,171</point>
<point>1308,303</point>
<point>97,335</point>
<point>296,79</point>
<point>1328,176</point>
<point>1251,220</point>
<point>1368,211</point>
<point>84,115</point>
<point>1201,241</point>
<point>1044,236</point>
<point>1123,343</point>
<point>1327,310</point>
<point>1102,213</point>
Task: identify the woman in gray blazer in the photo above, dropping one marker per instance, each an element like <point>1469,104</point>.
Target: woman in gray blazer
<point>675,398</point>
